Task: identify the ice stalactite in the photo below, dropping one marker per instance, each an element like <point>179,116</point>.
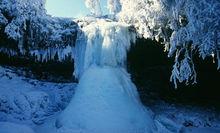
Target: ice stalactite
<point>106,100</point>
<point>51,53</point>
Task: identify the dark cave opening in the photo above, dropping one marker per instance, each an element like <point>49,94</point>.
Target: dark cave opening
<point>150,70</point>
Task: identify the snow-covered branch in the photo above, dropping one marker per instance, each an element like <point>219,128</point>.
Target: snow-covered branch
<point>184,26</point>
<point>94,7</point>
<point>34,32</point>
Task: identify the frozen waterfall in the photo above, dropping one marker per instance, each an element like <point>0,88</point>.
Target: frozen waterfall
<point>106,100</point>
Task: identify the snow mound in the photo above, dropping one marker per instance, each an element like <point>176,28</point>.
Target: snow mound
<point>107,106</point>
<point>28,100</point>
<point>7,127</point>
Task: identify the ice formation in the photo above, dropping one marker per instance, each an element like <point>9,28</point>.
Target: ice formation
<point>106,100</point>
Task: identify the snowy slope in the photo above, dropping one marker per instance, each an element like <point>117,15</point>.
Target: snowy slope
<point>27,100</point>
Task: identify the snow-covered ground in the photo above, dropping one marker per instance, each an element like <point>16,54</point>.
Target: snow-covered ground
<point>29,101</point>
<point>28,106</point>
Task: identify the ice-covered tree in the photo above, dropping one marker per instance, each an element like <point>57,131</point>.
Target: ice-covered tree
<point>20,11</point>
<point>114,6</point>
<point>94,7</point>
<point>184,26</point>
<point>33,31</point>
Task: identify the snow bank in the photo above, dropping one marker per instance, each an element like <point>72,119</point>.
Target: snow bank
<point>27,100</point>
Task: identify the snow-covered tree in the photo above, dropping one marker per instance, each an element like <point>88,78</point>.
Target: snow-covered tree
<point>184,26</point>
<point>94,7</point>
<point>20,11</point>
<point>114,6</point>
<point>34,32</point>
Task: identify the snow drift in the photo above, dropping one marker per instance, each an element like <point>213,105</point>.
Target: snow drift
<point>24,100</point>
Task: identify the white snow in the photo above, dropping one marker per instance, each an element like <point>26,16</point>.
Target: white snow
<point>30,101</point>
<point>94,7</point>
<point>106,101</point>
<point>168,118</point>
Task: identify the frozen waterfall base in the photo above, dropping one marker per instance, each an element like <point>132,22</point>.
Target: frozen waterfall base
<point>106,101</point>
